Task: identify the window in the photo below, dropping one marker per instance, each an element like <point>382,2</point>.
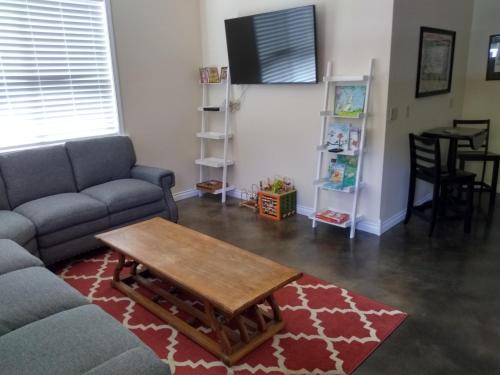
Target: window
<point>56,73</point>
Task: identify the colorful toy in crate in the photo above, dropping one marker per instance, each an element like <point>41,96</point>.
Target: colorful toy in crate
<point>277,198</point>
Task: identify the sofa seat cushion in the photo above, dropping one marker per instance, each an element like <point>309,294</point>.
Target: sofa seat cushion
<point>13,257</point>
<point>76,231</point>
<point>31,294</point>
<point>68,343</point>
<point>56,212</point>
<point>16,227</point>
<point>120,195</point>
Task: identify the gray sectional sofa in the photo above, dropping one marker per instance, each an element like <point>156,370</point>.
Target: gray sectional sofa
<point>48,328</point>
<point>53,200</point>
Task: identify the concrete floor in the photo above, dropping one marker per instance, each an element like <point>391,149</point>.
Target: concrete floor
<point>449,285</point>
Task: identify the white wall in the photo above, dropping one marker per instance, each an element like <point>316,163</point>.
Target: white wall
<point>482,98</point>
<point>423,113</point>
<point>159,51</point>
<point>277,128</point>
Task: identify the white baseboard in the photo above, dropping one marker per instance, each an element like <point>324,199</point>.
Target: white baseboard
<point>181,195</point>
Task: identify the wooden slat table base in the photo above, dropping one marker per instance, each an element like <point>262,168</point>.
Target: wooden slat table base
<point>251,330</point>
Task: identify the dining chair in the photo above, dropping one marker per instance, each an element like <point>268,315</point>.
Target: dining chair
<point>483,155</point>
<point>425,156</point>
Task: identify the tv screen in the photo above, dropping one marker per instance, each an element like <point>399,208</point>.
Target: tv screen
<point>272,48</point>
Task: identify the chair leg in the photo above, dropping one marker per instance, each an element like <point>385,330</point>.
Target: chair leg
<point>435,207</point>
<point>470,206</point>
<point>493,193</point>
<point>411,198</point>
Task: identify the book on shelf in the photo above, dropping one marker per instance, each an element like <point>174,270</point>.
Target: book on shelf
<point>350,100</point>
<point>336,176</point>
<point>223,73</point>
<point>203,75</point>
<point>213,75</point>
<point>342,173</point>
<point>342,137</point>
<point>333,217</point>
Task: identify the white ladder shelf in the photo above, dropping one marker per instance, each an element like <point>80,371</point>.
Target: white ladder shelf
<point>330,82</point>
<point>206,135</point>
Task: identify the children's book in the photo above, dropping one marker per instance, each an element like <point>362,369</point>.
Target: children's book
<point>338,137</point>
<point>213,75</point>
<point>349,100</point>
<point>336,176</point>
<point>333,216</point>
<point>350,164</point>
<point>354,139</point>
<point>203,75</point>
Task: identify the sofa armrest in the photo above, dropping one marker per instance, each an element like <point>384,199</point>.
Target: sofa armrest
<point>161,177</point>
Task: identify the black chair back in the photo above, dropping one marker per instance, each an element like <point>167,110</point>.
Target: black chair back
<point>425,155</point>
<point>484,124</point>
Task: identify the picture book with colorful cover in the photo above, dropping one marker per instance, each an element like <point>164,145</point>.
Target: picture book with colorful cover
<point>333,216</point>
<point>350,164</point>
<point>337,139</point>
<point>350,100</point>
<point>354,139</point>
<point>336,176</point>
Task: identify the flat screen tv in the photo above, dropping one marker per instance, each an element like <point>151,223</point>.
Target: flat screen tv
<point>273,48</point>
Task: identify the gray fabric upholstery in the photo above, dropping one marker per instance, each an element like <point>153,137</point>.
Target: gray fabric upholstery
<point>161,177</point>
<point>32,247</point>
<point>76,231</point>
<point>71,342</point>
<point>120,195</point>
<point>16,227</point>
<point>137,361</point>
<point>36,173</point>
<point>4,201</point>
<point>101,160</point>
<point>69,249</point>
<point>13,257</point>
<point>136,213</point>
<point>31,294</point>
<point>56,212</point>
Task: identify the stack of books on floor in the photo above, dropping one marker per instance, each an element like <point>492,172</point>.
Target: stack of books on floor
<point>333,217</point>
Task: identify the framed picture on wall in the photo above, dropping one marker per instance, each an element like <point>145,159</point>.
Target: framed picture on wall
<point>493,71</point>
<point>435,61</point>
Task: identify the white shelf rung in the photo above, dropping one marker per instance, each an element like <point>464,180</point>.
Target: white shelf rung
<point>333,115</point>
<point>346,79</point>
<point>324,148</point>
<point>213,135</point>
<point>213,162</point>
<point>211,109</point>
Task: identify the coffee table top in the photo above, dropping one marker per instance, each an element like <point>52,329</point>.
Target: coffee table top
<point>230,278</point>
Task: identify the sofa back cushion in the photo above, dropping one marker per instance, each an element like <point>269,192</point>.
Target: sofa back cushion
<point>4,202</point>
<point>96,161</point>
<point>36,173</point>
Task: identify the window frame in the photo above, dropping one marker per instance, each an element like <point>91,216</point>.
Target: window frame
<point>116,82</point>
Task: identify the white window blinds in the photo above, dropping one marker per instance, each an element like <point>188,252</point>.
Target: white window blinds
<point>56,74</point>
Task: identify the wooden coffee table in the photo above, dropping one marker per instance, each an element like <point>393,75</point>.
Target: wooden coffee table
<point>231,283</point>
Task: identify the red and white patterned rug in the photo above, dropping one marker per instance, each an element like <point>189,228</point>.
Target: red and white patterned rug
<point>329,329</point>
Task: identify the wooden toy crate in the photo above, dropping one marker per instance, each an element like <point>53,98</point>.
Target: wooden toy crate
<point>277,206</point>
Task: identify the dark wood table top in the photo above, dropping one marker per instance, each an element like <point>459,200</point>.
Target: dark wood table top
<point>475,135</point>
<point>230,278</point>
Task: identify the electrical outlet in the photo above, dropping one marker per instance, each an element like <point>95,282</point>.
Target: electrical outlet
<point>394,114</point>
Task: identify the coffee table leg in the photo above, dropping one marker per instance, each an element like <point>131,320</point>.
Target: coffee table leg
<point>119,268</point>
<point>217,328</point>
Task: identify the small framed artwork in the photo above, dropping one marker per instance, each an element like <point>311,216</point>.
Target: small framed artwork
<point>435,61</point>
<point>213,75</point>
<point>203,75</point>
<point>223,74</point>
<point>493,70</point>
